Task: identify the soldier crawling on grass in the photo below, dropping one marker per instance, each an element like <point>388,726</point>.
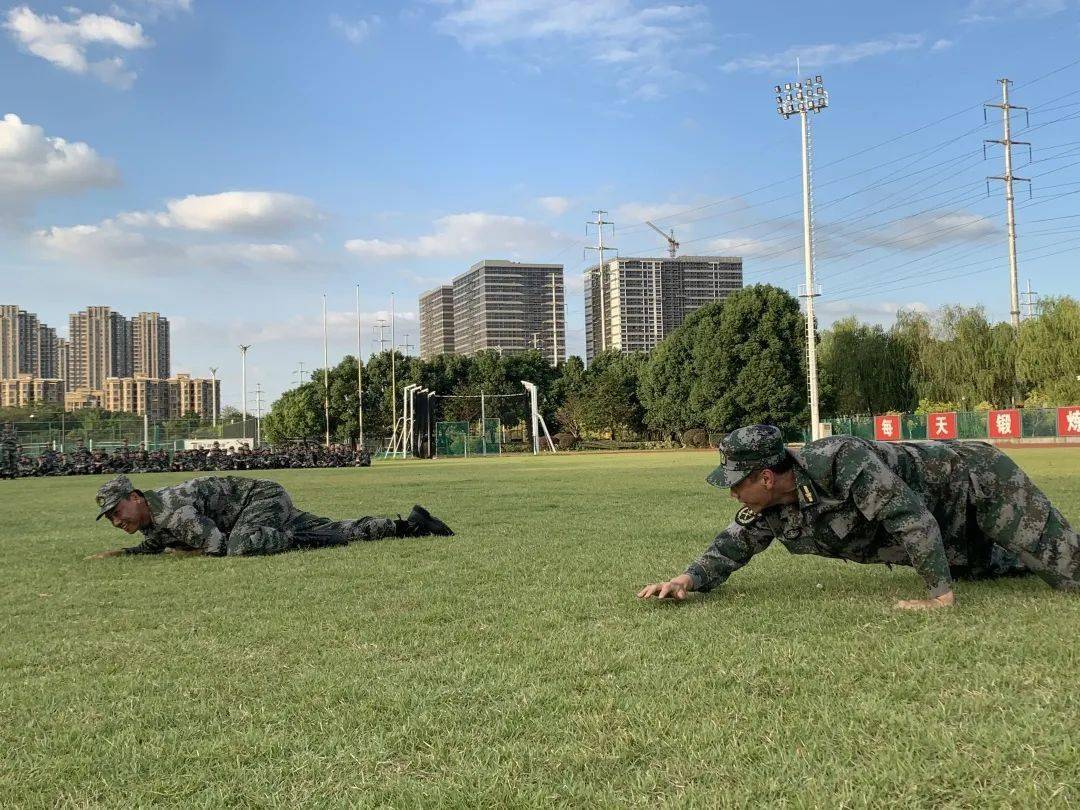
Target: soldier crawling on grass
<point>950,510</point>
<point>228,515</point>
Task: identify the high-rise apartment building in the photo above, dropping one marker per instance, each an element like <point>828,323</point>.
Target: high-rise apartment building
<point>26,389</point>
<point>636,302</point>
<point>27,346</point>
<point>150,345</point>
<point>141,395</point>
<point>511,307</point>
<point>437,322</point>
<point>193,395</point>
<point>100,347</point>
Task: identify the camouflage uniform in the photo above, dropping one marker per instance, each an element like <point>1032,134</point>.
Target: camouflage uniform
<point>9,457</point>
<point>948,509</point>
<point>229,515</point>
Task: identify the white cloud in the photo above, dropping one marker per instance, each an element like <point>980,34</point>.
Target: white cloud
<point>648,46</point>
<point>473,236</point>
<point>830,311</point>
<point>340,326</point>
<point>151,9</point>
<point>65,43</point>
<point>110,244</point>
<point>817,56</point>
<point>34,165</point>
<point>250,212</point>
<point>942,45</point>
<point>160,242</point>
<point>634,213</point>
<point>556,206</point>
<point>979,11</point>
<point>355,31</point>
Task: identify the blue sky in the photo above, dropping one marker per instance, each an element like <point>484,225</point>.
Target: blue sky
<point>226,163</point>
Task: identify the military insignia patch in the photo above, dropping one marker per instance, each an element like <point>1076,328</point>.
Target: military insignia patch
<point>808,494</point>
<point>745,516</point>
<point>792,532</point>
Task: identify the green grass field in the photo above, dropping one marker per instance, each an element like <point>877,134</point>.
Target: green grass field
<point>511,665</point>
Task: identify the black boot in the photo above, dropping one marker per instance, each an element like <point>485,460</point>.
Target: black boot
<point>421,523</point>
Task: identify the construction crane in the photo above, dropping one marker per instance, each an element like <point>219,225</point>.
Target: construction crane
<point>673,246</point>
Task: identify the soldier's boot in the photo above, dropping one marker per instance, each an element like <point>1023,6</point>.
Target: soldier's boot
<point>421,523</point>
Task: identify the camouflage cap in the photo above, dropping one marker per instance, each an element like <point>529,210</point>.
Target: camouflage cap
<point>745,450</point>
<point>111,493</point>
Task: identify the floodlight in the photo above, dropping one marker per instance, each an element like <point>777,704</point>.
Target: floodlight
<point>818,78</point>
<point>777,88</point>
<point>787,85</point>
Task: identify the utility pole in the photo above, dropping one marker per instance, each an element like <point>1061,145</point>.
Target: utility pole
<point>213,395</point>
<point>299,373</point>
<point>800,98</point>
<point>406,346</point>
<point>243,389</point>
<point>1031,300</point>
<point>600,248</point>
<point>1008,177</point>
<point>379,329</point>
<point>536,341</point>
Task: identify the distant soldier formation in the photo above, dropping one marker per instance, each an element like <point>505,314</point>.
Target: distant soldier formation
<point>16,463</point>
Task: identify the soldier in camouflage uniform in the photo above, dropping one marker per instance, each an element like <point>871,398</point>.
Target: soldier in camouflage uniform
<point>950,510</point>
<point>228,515</point>
<point>9,457</point>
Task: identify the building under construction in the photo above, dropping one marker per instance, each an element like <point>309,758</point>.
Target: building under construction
<point>632,303</point>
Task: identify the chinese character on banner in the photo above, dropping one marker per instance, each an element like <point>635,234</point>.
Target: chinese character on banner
<point>887,428</point>
<point>941,425</point>
<point>1004,424</point>
<point>1069,421</point>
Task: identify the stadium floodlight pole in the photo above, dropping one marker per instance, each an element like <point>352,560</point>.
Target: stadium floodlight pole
<point>326,372</point>
<point>1010,208</point>
<point>243,389</point>
<point>801,98</point>
<point>600,248</point>
<point>213,395</point>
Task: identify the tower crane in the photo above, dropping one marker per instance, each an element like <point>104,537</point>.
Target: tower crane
<point>673,246</point>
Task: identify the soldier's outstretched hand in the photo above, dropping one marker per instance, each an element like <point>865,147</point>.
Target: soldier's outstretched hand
<point>676,588</point>
<point>945,600</point>
<point>101,555</point>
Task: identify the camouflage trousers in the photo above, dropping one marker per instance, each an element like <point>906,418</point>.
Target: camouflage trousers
<point>270,524</point>
<point>1011,526</point>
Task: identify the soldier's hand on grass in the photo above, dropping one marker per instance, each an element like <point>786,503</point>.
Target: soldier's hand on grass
<point>945,600</point>
<point>676,588</point>
<point>184,552</point>
<point>101,555</point>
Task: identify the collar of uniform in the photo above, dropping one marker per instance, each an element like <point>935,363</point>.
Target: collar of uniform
<point>804,489</point>
<point>156,504</point>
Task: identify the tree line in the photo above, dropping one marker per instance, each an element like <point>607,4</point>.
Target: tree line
<point>733,362</point>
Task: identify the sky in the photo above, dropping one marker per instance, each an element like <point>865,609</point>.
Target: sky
<point>228,163</point>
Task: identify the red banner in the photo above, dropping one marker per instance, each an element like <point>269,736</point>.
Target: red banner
<point>887,428</point>
<point>941,425</point>
<point>1069,421</point>
<point>1004,424</point>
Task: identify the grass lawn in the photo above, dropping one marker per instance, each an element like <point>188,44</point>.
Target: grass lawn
<point>511,665</point>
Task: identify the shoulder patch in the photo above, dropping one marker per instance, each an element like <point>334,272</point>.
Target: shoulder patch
<point>808,494</point>
<point>746,516</point>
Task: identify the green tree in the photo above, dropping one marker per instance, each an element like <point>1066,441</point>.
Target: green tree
<point>611,401</point>
<point>1048,355</point>
<point>748,362</point>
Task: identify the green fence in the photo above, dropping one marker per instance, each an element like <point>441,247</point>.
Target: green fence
<point>1035,423</point>
<point>36,435</point>
<point>453,439</point>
